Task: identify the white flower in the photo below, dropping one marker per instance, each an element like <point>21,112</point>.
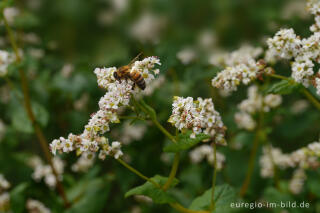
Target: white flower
<point>198,116</point>
<point>11,13</point>
<point>255,103</point>
<point>84,163</point>
<point>6,58</point>
<point>245,121</point>
<point>147,28</point>
<point>186,56</point>
<point>317,84</point>
<point>4,184</point>
<point>115,150</point>
<point>35,206</point>
<point>4,201</point>
<point>297,182</point>
<point>42,171</point>
<point>206,152</point>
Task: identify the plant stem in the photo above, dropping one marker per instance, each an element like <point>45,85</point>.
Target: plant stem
<point>176,206</point>
<point>275,173</point>
<point>132,117</point>
<point>311,98</point>
<point>306,92</point>
<point>182,209</point>
<point>212,206</point>
<point>279,76</point>
<point>173,172</point>
<point>137,172</point>
<point>156,122</point>
<point>164,131</point>
<point>27,104</point>
<point>253,154</point>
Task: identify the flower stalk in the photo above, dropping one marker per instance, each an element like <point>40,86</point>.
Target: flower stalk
<point>27,104</point>
<point>212,205</point>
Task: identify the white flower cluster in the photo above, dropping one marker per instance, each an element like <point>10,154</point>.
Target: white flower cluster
<point>153,86</point>
<point>43,171</point>
<point>305,52</point>
<point>130,132</point>
<point>2,129</point>
<point>84,162</point>
<point>206,152</point>
<point>255,103</point>
<point>147,28</point>
<point>10,14</point>
<point>6,59</point>
<point>243,55</point>
<point>118,94</point>
<point>297,181</point>
<point>317,82</point>
<point>4,195</point>
<point>273,157</point>
<point>303,158</point>
<point>199,116</point>
<point>186,55</point>
<point>229,78</point>
<point>35,206</point>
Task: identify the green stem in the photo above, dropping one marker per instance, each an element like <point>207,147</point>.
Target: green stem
<point>27,104</point>
<point>156,122</point>
<point>176,206</point>
<point>137,172</point>
<point>132,117</point>
<point>275,173</point>
<point>279,76</point>
<point>311,98</point>
<point>182,209</point>
<point>164,131</point>
<point>306,92</point>
<point>173,172</point>
<point>212,206</point>
<point>253,154</point>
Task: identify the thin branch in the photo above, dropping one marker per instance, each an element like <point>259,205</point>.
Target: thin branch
<point>212,205</point>
<point>173,172</point>
<point>27,104</point>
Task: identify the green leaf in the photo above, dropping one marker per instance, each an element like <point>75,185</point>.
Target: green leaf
<point>18,197</point>
<point>224,195</point>
<point>283,87</point>
<point>185,142</point>
<point>89,196</point>
<point>155,193</point>
<point>151,112</point>
<point>21,121</point>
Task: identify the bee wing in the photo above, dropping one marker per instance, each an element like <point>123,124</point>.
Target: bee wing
<point>135,59</point>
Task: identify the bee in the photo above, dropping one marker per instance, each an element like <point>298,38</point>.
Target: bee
<point>125,72</point>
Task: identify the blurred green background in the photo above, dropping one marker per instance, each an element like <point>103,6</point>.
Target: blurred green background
<point>64,40</point>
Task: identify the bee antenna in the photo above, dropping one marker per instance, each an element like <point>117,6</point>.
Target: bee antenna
<point>135,58</point>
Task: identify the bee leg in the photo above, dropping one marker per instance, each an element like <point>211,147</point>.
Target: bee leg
<point>133,86</point>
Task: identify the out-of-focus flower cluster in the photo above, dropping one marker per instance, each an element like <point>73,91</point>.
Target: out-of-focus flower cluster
<point>43,171</point>
<point>130,132</point>
<point>118,95</point>
<point>240,67</point>
<point>148,27</point>
<point>4,195</point>
<point>304,52</point>
<point>255,103</point>
<point>206,152</point>
<point>6,59</point>
<point>199,116</point>
<point>35,206</point>
<point>84,162</point>
<point>303,158</point>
